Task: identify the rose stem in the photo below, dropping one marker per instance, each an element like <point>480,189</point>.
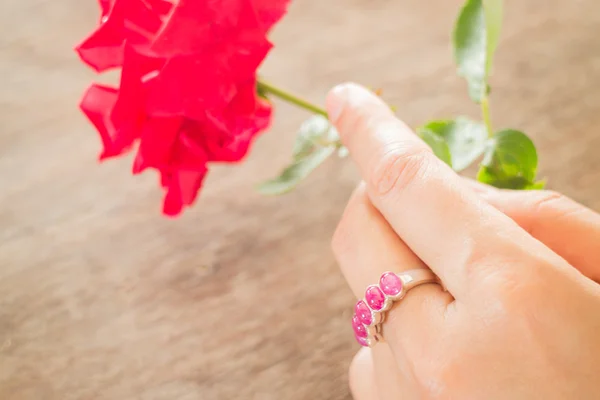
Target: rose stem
<point>266,87</point>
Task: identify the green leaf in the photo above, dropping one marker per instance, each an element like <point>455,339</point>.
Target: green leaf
<point>314,132</point>
<point>476,35</point>
<point>493,24</point>
<point>510,162</point>
<point>317,139</point>
<point>458,143</point>
<point>438,144</point>
<point>295,173</point>
<point>539,185</point>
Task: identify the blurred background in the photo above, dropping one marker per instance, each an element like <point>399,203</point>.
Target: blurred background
<point>103,298</point>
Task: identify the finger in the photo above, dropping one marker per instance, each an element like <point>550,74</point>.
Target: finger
<point>448,226</point>
<point>567,227</point>
<point>362,376</point>
<point>375,374</point>
<point>365,247</point>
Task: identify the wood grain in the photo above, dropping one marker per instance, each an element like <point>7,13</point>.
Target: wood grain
<point>102,298</point>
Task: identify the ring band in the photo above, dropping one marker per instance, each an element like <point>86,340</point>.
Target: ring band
<point>369,313</point>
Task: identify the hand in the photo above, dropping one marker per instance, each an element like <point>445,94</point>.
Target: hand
<point>519,320</point>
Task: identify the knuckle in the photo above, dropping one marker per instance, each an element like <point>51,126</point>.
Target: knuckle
<point>435,379</point>
<point>506,283</point>
<point>506,298</point>
<point>547,207</point>
<point>546,201</point>
<point>436,366</point>
<point>477,260</point>
<point>400,166</point>
<point>511,292</point>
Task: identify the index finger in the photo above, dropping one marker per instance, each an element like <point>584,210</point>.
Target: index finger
<point>459,236</point>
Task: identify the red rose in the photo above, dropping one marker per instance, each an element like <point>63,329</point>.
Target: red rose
<point>188,85</point>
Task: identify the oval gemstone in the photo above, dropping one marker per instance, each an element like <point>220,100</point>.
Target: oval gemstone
<point>390,284</point>
<point>363,313</point>
<point>375,298</point>
<point>359,328</point>
<point>362,341</point>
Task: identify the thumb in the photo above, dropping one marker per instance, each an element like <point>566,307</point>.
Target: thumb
<point>570,229</point>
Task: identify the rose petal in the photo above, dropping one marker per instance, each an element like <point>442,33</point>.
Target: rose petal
<point>174,94</point>
<point>128,20</point>
<point>182,189</point>
<point>129,113</point>
<point>97,104</point>
<point>269,11</point>
<point>157,139</point>
<point>161,7</point>
<point>105,7</point>
<point>233,131</point>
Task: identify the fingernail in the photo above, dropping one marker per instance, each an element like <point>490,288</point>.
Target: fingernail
<point>335,102</point>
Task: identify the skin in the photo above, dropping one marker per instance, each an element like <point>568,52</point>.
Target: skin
<point>521,315</point>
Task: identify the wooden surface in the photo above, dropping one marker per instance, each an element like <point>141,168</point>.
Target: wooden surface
<point>102,298</point>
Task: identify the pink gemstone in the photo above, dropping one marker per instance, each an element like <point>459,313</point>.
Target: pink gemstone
<point>359,328</point>
<point>363,313</point>
<point>375,298</point>
<point>390,284</point>
<point>362,341</point>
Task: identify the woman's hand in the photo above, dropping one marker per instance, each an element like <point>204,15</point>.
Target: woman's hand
<point>521,317</point>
